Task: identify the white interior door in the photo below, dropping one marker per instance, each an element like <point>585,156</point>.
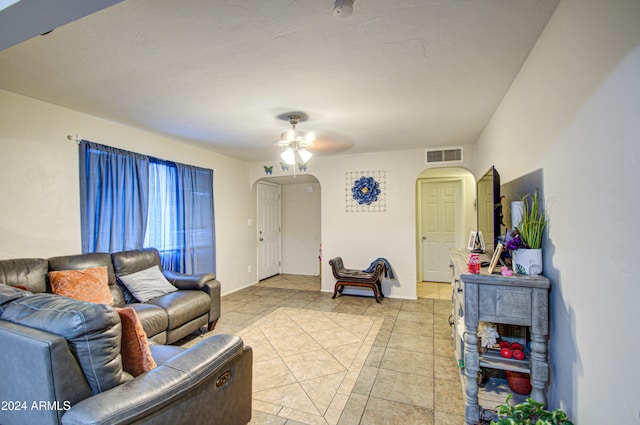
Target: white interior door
<point>268,226</point>
<point>439,209</point>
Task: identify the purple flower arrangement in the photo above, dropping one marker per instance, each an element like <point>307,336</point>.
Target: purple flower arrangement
<point>515,243</point>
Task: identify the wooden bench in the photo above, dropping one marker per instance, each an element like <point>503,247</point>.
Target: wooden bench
<point>351,277</point>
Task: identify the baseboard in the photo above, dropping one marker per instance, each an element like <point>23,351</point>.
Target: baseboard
<point>239,289</point>
<point>369,293</point>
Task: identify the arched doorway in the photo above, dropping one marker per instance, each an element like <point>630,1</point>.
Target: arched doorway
<point>296,219</point>
<point>445,215</point>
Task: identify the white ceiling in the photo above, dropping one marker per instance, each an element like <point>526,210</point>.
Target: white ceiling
<point>397,74</point>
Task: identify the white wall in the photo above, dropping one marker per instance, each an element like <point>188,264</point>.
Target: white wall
<point>301,229</point>
<point>39,186</point>
<point>572,117</point>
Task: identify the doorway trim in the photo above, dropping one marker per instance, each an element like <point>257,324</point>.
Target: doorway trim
<point>465,207</point>
<point>458,223</point>
<point>273,269</point>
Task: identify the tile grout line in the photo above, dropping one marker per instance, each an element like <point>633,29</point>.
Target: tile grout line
<point>375,324</point>
<point>367,408</point>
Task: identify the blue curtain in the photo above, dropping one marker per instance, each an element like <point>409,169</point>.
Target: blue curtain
<point>114,187</point>
<point>195,210</point>
<point>130,201</point>
<point>181,220</point>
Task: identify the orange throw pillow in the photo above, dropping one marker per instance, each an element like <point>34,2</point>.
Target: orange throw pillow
<point>91,285</point>
<point>136,354</point>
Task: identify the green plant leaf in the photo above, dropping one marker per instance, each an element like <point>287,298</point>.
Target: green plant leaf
<point>534,221</point>
<point>528,413</point>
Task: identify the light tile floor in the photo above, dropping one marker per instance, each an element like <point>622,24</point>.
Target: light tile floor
<point>306,362</point>
<point>435,290</point>
<point>409,377</point>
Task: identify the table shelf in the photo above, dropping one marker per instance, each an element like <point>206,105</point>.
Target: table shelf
<point>494,360</point>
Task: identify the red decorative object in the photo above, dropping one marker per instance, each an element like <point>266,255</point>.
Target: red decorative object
<point>474,263</point>
<point>506,353</point>
<point>513,349</point>
<point>516,346</point>
<point>519,382</point>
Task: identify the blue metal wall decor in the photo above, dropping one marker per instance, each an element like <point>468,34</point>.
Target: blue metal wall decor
<point>365,191</point>
<point>268,170</point>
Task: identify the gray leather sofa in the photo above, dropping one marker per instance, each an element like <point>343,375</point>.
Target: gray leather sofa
<point>165,319</point>
<point>60,363</point>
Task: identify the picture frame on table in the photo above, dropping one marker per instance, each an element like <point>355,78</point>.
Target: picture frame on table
<point>473,237</point>
<point>496,257</point>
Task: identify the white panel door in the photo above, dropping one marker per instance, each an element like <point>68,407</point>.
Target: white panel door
<point>439,206</point>
<point>268,226</point>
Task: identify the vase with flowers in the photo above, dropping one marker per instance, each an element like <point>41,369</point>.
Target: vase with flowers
<point>525,243</point>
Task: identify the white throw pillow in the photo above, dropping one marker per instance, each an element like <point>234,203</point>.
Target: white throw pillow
<point>147,284</point>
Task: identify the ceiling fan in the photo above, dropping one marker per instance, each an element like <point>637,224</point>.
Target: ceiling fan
<point>295,141</point>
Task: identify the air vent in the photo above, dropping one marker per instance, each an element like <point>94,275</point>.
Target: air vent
<point>432,156</point>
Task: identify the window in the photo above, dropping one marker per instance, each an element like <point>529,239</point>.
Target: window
<point>130,201</point>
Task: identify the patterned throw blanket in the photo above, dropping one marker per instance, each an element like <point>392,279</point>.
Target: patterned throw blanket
<point>388,271</point>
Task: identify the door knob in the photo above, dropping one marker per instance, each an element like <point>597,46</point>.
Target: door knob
<point>261,239</point>
<point>424,238</point>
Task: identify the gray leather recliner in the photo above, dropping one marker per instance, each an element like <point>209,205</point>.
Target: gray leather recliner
<point>49,345</point>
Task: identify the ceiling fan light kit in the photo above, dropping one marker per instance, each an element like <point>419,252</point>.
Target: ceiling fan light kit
<point>295,141</point>
<point>288,156</point>
<point>305,155</point>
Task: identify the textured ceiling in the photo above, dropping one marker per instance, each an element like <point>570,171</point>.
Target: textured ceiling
<point>397,74</point>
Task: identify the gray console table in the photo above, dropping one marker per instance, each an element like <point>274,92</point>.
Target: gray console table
<point>513,300</point>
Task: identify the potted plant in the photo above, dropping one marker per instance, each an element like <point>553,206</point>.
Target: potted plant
<point>526,242</point>
<point>529,412</point>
